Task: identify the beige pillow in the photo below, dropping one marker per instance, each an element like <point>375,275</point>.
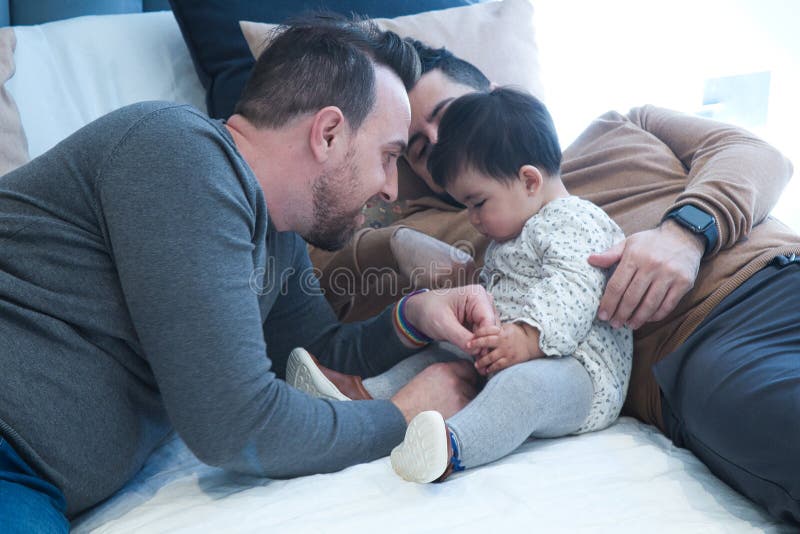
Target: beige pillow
<point>13,145</point>
<point>497,37</point>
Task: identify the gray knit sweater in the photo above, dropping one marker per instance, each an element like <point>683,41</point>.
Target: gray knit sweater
<point>143,288</point>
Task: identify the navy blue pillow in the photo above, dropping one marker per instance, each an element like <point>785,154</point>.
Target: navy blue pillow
<point>220,53</point>
<point>17,12</point>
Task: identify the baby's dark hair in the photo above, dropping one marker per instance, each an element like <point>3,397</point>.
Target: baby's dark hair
<point>495,133</point>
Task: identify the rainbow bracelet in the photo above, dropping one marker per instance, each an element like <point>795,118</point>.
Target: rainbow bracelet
<point>414,336</point>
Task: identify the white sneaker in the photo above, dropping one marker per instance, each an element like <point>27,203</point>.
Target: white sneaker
<point>424,455</point>
<point>302,372</point>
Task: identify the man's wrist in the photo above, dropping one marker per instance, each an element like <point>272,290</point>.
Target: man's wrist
<point>697,241</point>
<point>697,221</point>
<point>406,329</point>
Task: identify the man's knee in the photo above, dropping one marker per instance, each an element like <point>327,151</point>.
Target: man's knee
<point>748,404</point>
<point>739,420</point>
<point>24,510</point>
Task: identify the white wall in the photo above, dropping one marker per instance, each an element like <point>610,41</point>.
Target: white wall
<point>616,54</point>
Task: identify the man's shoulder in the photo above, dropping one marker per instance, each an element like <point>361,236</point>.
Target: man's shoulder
<point>604,129</point>
<point>159,129</point>
<point>170,139</point>
<point>613,130</point>
<point>160,112</point>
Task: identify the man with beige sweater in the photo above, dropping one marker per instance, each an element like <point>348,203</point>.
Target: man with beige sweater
<point>703,276</point>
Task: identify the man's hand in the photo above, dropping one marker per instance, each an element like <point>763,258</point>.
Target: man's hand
<point>452,314</point>
<point>515,343</point>
<point>430,263</point>
<point>444,387</point>
<point>655,269</point>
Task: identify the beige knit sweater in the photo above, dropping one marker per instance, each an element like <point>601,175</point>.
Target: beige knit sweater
<point>637,167</point>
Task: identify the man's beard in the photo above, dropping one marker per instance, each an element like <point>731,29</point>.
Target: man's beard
<point>333,225</point>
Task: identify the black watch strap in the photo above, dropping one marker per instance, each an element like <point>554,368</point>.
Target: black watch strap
<point>697,221</point>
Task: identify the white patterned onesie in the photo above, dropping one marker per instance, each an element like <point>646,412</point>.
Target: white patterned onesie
<point>542,278</point>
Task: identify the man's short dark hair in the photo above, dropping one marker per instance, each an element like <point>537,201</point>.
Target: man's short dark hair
<point>455,68</point>
<point>495,133</point>
<point>323,60</point>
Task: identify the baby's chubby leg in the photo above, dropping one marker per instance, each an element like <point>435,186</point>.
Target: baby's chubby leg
<point>543,398</point>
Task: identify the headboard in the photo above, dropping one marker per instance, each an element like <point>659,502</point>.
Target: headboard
<point>20,12</point>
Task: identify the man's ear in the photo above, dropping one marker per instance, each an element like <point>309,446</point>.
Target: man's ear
<point>328,133</point>
<point>532,178</point>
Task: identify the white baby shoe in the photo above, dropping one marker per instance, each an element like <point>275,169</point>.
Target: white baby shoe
<point>426,453</point>
<point>304,373</point>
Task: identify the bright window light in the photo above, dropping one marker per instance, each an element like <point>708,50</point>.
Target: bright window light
<point>732,60</point>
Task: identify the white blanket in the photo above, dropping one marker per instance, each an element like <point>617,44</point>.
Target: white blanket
<point>627,478</point>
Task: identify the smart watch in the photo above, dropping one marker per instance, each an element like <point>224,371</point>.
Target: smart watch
<point>698,222</point>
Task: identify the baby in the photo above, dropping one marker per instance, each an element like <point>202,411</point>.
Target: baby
<point>554,368</point>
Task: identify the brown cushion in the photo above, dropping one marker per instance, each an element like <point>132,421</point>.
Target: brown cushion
<point>13,145</point>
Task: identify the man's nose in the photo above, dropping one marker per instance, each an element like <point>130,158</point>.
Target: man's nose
<point>389,191</point>
<point>432,132</point>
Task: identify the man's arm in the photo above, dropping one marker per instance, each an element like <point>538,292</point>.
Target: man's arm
<point>732,175</point>
<point>364,348</point>
<point>363,278</point>
<point>180,216</point>
<point>369,347</point>
<point>352,294</point>
<point>372,346</point>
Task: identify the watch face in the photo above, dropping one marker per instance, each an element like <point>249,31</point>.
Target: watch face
<point>695,217</point>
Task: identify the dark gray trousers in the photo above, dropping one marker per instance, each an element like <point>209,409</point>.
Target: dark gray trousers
<point>731,392</point>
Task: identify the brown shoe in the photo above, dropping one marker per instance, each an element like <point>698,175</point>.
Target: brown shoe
<point>304,372</point>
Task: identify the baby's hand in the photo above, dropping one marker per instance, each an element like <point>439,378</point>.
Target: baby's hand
<point>515,343</point>
<point>477,349</point>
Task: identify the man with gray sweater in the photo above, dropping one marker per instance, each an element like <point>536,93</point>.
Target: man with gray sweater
<point>153,277</point>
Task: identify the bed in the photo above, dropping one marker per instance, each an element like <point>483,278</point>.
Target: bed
<point>627,478</point>
<point>56,77</point>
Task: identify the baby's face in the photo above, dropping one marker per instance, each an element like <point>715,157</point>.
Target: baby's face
<point>497,209</point>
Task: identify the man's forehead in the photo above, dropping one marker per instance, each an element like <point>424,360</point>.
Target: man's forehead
<point>392,98</point>
<point>389,85</point>
<point>423,117</point>
<point>431,91</point>
<point>430,88</point>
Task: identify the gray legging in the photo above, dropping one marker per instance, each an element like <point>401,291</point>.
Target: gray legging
<point>542,398</point>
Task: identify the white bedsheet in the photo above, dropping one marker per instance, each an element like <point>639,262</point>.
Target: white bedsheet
<point>627,478</point>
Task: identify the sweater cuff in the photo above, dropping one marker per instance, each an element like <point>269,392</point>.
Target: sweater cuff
<point>365,430</point>
<point>372,249</point>
<point>392,348</point>
<point>392,427</point>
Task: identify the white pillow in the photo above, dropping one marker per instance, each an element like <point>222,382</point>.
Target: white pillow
<point>13,148</point>
<point>71,72</point>
<point>497,37</point>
